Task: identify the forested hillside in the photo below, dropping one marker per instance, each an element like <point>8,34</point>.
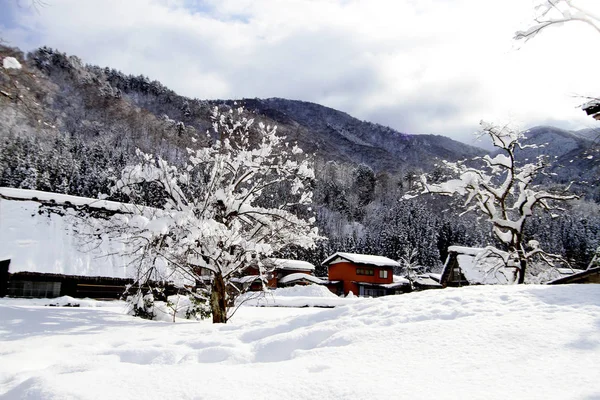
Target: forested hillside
<point>71,128</point>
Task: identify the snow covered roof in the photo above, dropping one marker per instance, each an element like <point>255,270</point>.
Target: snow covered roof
<point>400,279</point>
<point>366,259</point>
<point>480,268</point>
<point>246,279</point>
<point>23,194</point>
<point>296,265</point>
<point>574,277</point>
<point>426,280</point>
<point>473,251</point>
<point>389,285</point>
<point>48,243</point>
<point>435,277</point>
<point>299,276</point>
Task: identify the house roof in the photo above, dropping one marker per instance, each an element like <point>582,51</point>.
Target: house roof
<point>574,277</point>
<point>472,251</point>
<point>295,265</point>
<point>246,279</point>
<point>426,280</point>
<point>479,268</point>
<point>394,285</point>
<point>364,259</point>
<point>299,276</point>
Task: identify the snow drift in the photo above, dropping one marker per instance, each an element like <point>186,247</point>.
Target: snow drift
<point>494,342</point>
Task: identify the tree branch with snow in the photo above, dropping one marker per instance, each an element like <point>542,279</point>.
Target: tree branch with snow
<point>217,214</point>
<point>556,13</point>
<point>501,190</point>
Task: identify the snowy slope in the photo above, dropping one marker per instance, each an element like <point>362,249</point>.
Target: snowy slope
<point>494,342</point>
<point>46,243</point>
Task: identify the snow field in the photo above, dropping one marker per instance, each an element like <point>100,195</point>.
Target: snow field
<point>526,342</point>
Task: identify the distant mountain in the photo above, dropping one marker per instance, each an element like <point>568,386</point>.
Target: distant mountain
<point>573,157</point>
<point>338,135</point>
<point>80,98</point>
<point>125,112</point>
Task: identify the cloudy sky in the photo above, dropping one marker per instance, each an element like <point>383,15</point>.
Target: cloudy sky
<point>419,66</point>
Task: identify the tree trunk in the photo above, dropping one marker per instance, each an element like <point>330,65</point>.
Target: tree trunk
<point>522,268</point>
<point>522,260</point>
<point>218,300</point>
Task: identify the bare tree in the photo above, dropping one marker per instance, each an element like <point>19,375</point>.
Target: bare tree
<point>503,192</point>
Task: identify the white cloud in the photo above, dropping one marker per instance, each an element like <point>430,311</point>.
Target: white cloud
<point>422,66</point>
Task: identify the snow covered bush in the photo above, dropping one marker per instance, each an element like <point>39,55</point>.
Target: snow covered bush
<point>141,305</point>
<point>503,191</point>
<point>234,203</point>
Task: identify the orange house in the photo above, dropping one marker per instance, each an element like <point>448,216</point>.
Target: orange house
<point>362,274</point>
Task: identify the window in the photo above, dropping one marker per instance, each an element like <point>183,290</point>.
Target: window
<point>373,292</point>
<point>383,274</point>
<point>456,274</point>
<point>365,271</point>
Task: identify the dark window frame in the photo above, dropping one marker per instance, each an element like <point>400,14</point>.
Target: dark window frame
<point>365,271</point>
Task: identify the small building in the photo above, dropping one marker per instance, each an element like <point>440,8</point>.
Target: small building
<point>364,275</point>
<point>590,275</point>
<point>279,273</point>
<point>426,281</point>
<point>476,266</point>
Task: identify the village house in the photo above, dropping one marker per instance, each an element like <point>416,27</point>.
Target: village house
<point>475,266</point>
<point>280,273</point>
<point>363,275</point>
<point>49,285</point>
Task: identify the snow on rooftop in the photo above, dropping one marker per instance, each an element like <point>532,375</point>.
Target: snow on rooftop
<point>465,250</point>
<point>299,276</point>
<point>24,194</point>
<point>363,259</point>
<point>489,270</point>
<point>298,265</point>
<point>48,243</point>
<point>400,279</point>
<point>246,279</point>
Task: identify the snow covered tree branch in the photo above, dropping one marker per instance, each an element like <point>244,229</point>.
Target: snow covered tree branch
<point>556,13</point>
<point>502,191</point>
<point>217,215</point>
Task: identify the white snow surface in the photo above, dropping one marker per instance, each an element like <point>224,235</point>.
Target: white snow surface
<point>47,243</point>
<point>484,342</point>
<point>11,63</point>
<point>294,296</point>
<point>364,259</point>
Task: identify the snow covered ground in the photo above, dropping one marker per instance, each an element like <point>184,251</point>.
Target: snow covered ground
<point>494,342</point>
